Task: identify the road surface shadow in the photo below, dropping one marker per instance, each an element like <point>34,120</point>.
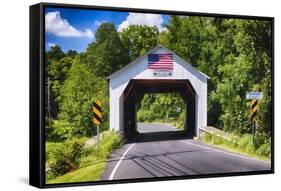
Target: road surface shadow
<point>159,136</point>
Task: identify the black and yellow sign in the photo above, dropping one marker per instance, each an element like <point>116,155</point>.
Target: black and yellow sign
<point>254,109</point>
<point>97,119</point>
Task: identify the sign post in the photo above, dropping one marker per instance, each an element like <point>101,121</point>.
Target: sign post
<point>254,110</point>
<point>254,97</point>
<point>97,116</point>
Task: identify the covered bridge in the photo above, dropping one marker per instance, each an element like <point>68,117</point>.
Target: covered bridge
<point>158,71</point>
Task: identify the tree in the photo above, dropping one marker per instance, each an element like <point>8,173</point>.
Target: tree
<point>199,41</point>
<point>55,53</point>
<point>139,39</point>
<point>185,37</point>
<point>163,38</point>
<point>108,53</point>
<point>79,91</point>
<point>72,53</point>
<point>57,71</point>
<point>246,68</point>
<point>156,107</point>
<point>254,42</point>
<point>235,53</point>
<point>231,92</point>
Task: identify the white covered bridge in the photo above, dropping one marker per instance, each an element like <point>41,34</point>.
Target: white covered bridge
<point>149,74</point>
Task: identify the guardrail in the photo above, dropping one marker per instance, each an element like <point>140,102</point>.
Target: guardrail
<point>214,131</point>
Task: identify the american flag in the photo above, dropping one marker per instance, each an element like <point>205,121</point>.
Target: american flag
<point>160,61</point>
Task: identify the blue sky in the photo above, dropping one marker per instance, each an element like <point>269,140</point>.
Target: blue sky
<point>75,28</point>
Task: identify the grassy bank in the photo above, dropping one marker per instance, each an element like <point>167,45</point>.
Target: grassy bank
<point>240,144</point>
<point>92,162</point>
<point>90,173</point>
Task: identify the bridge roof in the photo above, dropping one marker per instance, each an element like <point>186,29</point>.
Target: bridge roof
<point>149,52</point>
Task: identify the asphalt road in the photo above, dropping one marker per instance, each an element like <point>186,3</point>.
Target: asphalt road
<point>154,127</point>
<point>174,158</point>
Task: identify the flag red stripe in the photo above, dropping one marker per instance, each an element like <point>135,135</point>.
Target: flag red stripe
<point>160,61</point>
<point>160,67</point>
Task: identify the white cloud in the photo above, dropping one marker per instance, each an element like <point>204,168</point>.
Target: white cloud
<point>50,44</point>
<point>142,19</point>
<point>61,27</point>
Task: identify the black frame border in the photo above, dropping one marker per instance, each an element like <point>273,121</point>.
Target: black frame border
<point>37,94</point>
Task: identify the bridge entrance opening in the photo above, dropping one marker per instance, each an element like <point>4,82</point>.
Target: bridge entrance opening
<point>160,108</point>
<point>138,93</point>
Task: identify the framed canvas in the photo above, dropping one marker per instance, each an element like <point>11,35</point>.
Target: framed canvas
<point>121,95</point>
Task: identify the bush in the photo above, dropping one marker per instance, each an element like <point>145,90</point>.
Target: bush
<point>51,147</point>
<point>261,138</point>
<point>264,150</point>
<point>66,157</point>
<point>180,122</point>
<point>59,130</point>
<point>234,141</point>
<point>250,148</point>
<point>110,141</point>
<point>244,141</point>
<point>91,154</point>
<point>145,116</point>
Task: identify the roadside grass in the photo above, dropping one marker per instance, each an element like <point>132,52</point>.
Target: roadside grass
<point>179,124</point>
<point>89,173</point>
<point>93,160</point>
<point>241,145</point>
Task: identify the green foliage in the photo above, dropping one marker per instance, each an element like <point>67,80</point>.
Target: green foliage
<point>202,44</point>
<point>66,157</point>
<point>181,120</point>
<point>156,107</point>
<point>258,147</point>
<point>51,147</point>
<point>245,142</point>
<point>55,53</point>
<point>163,38</point>
<point>263,144</point>
<point>57,66</point>
<point>264,150</point>
<point>91,160</point>
<point>58,69</point>
<point>208,137</point>
<point>111,140</point>
<point>78,93</point>
<point>145,116</point>
<point>234,53</point>
<point>71,53</point>
<point>236,112</point>
<point>139,39</point>
<point>108,53</point>
<point>89,173</point>
<point>59,130</point>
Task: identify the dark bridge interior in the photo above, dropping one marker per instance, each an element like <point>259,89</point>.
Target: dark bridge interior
<point>135,92</point>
